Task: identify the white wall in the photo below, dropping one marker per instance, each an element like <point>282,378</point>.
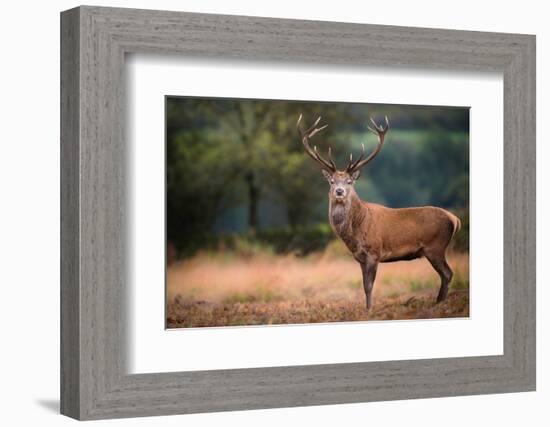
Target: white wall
<point>29,213</point>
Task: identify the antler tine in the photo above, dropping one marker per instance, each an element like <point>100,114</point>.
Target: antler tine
<point>312,127</point>
<point>316,130</point>
<point>380,131</point>
<point>313,153</point>
<point>330,159</point>
<point>379,128</point>
<point>376,126</point>
<point>351,165</point>
<point>312,130</point>
<point>299,121</point>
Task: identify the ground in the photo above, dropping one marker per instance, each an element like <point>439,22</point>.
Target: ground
<point>219,289</point>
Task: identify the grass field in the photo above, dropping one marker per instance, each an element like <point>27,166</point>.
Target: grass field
<point>226,289</point>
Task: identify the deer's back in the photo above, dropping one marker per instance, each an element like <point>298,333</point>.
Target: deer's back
<point>406,233</point>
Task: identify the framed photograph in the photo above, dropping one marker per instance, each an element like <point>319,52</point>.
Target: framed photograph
<point>253,238</point>
<point>261,213</point>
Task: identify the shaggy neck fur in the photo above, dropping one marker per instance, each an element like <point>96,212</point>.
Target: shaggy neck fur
<point>346,216</point>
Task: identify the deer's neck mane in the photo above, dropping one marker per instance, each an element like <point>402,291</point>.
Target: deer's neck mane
<point>346,218</point>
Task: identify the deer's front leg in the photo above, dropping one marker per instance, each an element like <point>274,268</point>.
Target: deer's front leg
<point>368,268</point>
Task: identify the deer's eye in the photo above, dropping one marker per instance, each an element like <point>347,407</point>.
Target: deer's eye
<point>349,182</point>
<point>331,182</point>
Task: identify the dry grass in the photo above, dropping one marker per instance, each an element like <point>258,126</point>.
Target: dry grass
<point>224,289</point>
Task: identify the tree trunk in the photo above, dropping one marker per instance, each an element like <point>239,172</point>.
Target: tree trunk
<point>293,216</point>
<point>253,200</point>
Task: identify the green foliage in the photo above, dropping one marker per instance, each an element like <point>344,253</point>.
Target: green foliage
<point>300,241</point>
<point>420,167</point>
<point>461,241</point>
<point>196,178</point>
<point>417,285</point>
<point>236,167</point>
<point>291,175</point>
<point>460,281</point>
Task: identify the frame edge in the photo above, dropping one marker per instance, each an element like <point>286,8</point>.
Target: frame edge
<point>85,352</point>
<point>70,403</point>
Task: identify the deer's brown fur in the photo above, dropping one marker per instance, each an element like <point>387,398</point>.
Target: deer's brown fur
<point>374,233</point>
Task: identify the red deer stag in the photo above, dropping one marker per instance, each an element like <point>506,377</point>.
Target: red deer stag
<point>375,233</point>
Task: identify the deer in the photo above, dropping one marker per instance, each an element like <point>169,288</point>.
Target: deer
<point>374,233</point>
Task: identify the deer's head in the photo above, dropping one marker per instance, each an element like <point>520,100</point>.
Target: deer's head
<point>341,181</point>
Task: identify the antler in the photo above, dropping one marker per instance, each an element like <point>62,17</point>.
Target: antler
<point>306,135</point>
<point>360,162</point>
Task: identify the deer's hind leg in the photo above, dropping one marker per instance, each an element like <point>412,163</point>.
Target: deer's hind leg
<point>439,263</point>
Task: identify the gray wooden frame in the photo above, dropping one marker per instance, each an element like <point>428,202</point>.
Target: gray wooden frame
<point>94,41</point>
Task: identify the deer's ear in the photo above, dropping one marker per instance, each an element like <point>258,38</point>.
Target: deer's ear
<point>355,175</point>
<point>327,175</point>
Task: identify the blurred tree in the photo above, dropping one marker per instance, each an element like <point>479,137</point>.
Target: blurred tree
<point>444,168</point>
<point>295,183</point>
<point>292,177</point>
<point>197,177</point>
<point>242,161</point>
<point>266,148</point>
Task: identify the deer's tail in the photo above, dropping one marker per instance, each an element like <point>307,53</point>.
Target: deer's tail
<point>456,224</point>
